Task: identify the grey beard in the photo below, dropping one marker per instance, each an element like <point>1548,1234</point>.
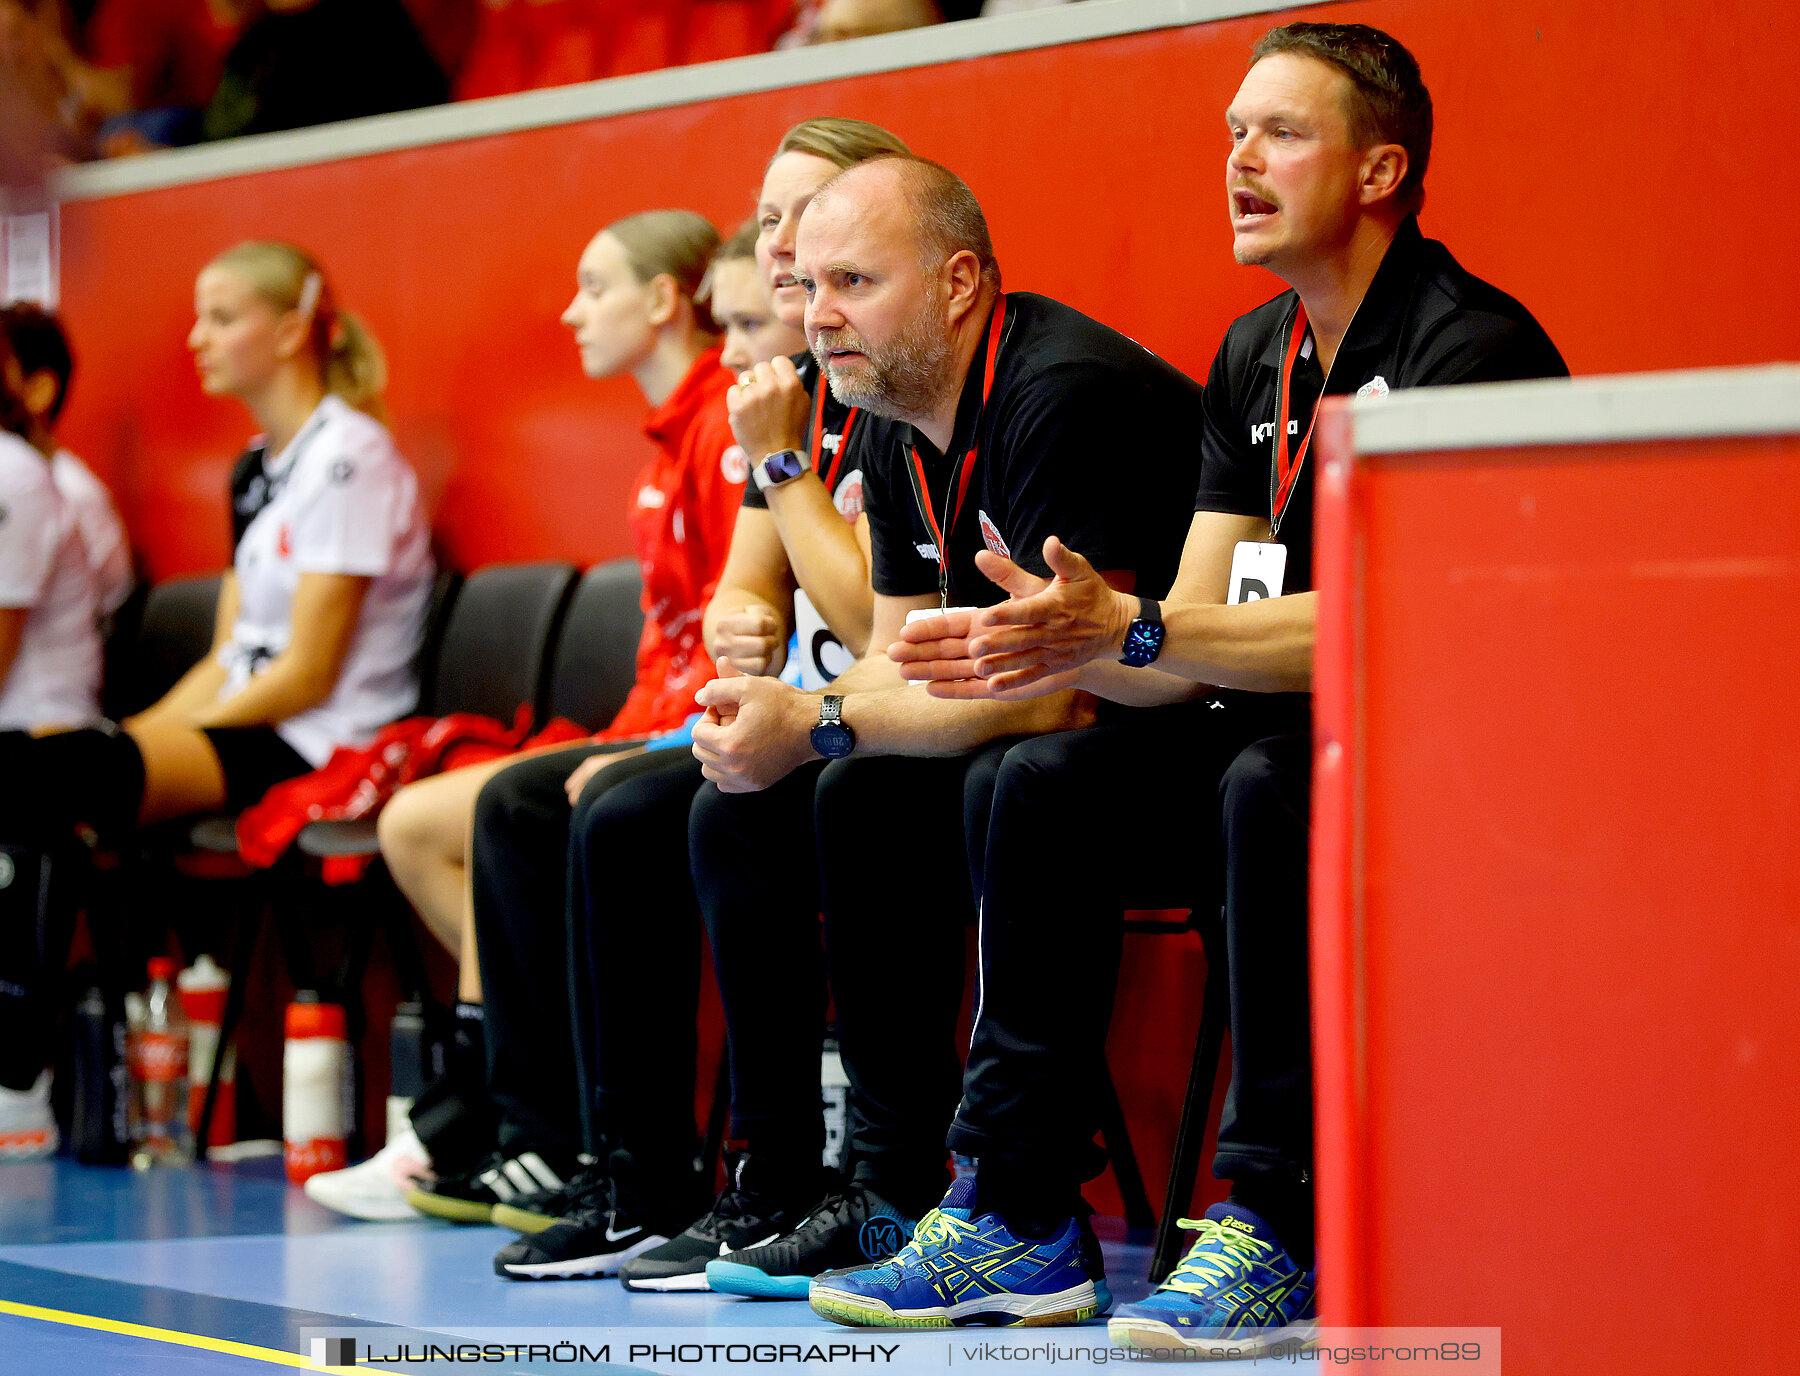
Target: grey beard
<point>904,382</point>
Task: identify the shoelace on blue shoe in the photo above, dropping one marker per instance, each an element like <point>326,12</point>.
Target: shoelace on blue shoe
<point>1222,1252</point>
<point>937,1227</point>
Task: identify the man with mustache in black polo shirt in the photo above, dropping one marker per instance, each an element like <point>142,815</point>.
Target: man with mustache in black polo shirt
<point>1330,135</point>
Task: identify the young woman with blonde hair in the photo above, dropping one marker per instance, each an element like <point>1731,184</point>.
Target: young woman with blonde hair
<point>318,619</point>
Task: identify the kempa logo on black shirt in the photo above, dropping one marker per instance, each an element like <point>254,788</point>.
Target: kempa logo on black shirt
<point>1266,430</point>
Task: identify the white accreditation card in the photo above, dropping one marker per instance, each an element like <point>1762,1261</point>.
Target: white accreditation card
<point>1256,571</point>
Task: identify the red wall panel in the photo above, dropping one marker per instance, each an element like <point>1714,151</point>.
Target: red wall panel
<point>1571,167</point>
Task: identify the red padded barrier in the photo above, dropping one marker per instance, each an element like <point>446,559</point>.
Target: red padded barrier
<point>1557,897</point>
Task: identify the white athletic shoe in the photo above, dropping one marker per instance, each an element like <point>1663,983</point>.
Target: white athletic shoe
<point>27,1127</point>
<point>375,1189</point>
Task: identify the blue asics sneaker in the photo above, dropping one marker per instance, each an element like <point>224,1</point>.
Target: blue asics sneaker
<point>1236,1292</point>
<point>959,1270</point>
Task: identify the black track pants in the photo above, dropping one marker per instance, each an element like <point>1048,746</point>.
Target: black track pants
<point>524,916</point>
<point>1077,827</point>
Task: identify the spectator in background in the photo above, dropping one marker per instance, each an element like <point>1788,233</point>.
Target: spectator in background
<point>841,19</point>
<point>45,366</point>
<point>152,66</point>
<point>34,132</point>
<point>305,62</point>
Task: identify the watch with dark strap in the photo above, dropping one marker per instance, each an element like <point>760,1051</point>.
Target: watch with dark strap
<point>1144,637</point>
<point>831,737</point>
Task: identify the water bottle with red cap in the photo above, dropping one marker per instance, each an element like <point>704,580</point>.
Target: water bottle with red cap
<point>316,1110</point>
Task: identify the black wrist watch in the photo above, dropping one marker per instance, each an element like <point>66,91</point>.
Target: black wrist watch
<point>783,466</point>
<point>831,738</point>
<point>1144,636</point>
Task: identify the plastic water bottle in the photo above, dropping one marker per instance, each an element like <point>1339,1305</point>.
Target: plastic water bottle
<point>316,1111</point>
<point>834,1096</point>
<point>162,1053</point>
<point>203,987</point>
<point>411,1051</point>
<point>101,1123</point>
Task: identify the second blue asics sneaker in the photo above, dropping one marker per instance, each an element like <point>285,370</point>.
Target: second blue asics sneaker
<point>963,1269</point>
<point>1237,1292</point>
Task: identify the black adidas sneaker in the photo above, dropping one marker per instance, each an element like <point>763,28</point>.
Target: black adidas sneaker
<point>533,1213</point>
<point>507,1175</point>
<point>617,1219</point>
<point>752,1209</point>
<point>853,1227</point>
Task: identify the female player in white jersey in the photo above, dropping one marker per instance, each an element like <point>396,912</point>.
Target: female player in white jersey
<point>49,644</point>
<point>318,619</point>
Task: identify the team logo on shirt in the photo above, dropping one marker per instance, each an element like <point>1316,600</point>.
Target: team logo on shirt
<point>849,495</point>
<point>342,472</point>
<point>1375,387</point>
<point>734,463</point>
<point>991,537</point>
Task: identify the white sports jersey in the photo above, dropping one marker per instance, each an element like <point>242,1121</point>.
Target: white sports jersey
<point>338,499</point>
<point>55,677</point>
<point>817,656</point>
<point>109,553</point>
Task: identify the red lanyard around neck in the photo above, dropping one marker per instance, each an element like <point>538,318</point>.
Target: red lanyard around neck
<point>1289,463</point>
<point>965,469</point>
<point>818,436</point>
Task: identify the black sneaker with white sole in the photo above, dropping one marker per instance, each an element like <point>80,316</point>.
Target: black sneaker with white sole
<point>535,1212</point>
<point>752,1209</point>
<point>614,1222</point>
<point>506,1176</point>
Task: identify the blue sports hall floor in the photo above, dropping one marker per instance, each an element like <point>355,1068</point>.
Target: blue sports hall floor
<point>228,1269</point>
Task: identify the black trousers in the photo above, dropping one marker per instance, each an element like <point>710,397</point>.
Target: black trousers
<point>589,949</point>
<point>876,845</point>
<point>1069,830</point>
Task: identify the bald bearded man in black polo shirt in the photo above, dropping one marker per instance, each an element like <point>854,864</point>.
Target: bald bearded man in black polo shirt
<point>1331,132</point>
<point>1000,418</point>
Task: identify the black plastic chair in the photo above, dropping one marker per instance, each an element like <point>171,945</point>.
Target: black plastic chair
<point>485,649</point>
<point>158,635</point>
<point>595,662</point>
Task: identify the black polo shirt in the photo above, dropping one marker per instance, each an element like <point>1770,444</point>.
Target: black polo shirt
<point>1086,435</point>
<point>1424,322</point>
<point>846,481</point>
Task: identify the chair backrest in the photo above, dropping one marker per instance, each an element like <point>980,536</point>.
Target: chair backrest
<point>496,640</point>
<point>595,662</point>
<point>147,655</point>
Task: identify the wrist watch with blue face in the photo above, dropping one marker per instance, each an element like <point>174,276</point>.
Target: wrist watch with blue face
<point>831,737</point>
<point>783,466</point>
<point>1144,637</point>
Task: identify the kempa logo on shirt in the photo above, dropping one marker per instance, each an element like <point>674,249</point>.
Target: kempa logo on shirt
<point>990,535</point>
<point>651,496</point>
<point>1266,430</point>
<point>926,549</point>
<point>342,472</point>
<point>734,463</point>
<point>1375,387</point>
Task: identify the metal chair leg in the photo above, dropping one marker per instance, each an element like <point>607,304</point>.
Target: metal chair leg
<point>1196,1110</point>
<point>1123,1158</point>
